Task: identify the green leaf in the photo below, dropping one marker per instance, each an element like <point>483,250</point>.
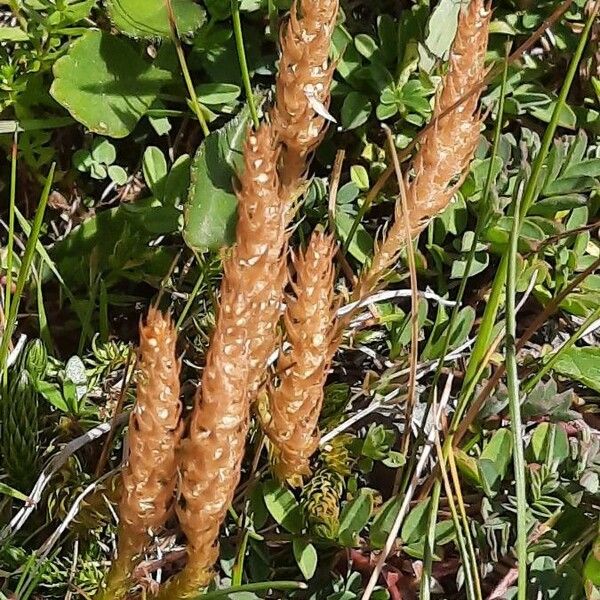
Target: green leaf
<point>105,84</point>
<point>75,372</point>
<point>210,212</point>
<point>149,18</point>
<point>585,168</point>
<point>366,45</point>
<point>13,34</point>
<point>415,524</point>
<point>570,185</point>
<point>383,522</point>
<point>467,466</point>
<point>494,460</point>
<point>154,167</point>
<point>355,516</point>
<point>53,395</point>
<point>306,557</point>
<point>217,93</point>
<point>361,246</point>
<point>117,174</point>
<point>178,181</point>
<point>548,207</point>
<point>6,490</point>
<point>549,443</point>
<point>580,364</point>
<point>442,27</point>
<point>104,152</point>
<point>360,177</point>
<point>355,110</point>
<point>283,506</point>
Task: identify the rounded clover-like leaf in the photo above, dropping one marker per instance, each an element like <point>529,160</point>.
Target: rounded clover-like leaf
<point>105,84</point>
<point>149,18</point>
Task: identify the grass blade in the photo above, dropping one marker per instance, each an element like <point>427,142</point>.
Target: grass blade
<point>514,403</point>
<point>25,269</point>
<point>241,52</point>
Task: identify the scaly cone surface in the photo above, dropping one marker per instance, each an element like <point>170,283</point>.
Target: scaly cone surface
<point>447,148</point>
<point>310,325</point>
<point>155,430</point>
<point>251,291</point>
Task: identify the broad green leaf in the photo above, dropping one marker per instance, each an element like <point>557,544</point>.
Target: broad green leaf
<point>360,177</point>
<point>548,207</point>
<point>154,167</point>
<point>442,27</point>
<point>104,152</point>
<point>306,557</point>
<point>570,185</point>
<point>494,460</point>
<point>460,332</point>
<point>415,524</point>
<point>217,93</point>
<point>355,516</point>
<point>105,84</point>
<point>149,18</point>
<point>467,466</point>
<point>366,45</point>
<point>580,364</point>
<point>52,394</point>
<point>178,181</point>
<point>13,34</point>
<point>355,110</point>
<point>283,506</point>
<point>361,246</point>
<point>549,443</point>
<point>210,212</point>
<point>585,168</point>
<point>117,174</point>
<point>383,522</point>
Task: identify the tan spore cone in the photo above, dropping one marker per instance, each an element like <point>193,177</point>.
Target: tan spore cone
<point>245,330</point>
<point>155,430</point>
<point>447,149</point>
<point>303,84</point>
<point>294,404</point>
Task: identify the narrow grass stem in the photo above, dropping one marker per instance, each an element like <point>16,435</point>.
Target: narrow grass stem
<point>25,269</point>
<point>197,107</point>
<point>514,403</point>
<point>470,576</point>
<point>414,313</point>
<point>471,555</point>
<point>262,586</point>
<point>241,52</point>
<point>11,240</point>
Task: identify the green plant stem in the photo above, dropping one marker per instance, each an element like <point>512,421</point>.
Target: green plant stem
<point>514,404</point>
<point>529,196</point>
<point>11,241</point>
<point>471,555</point>
<point>238,567</point>
<point>425,587</point>
<point>191,297</point>
<point>262,586</point>
<point>185,71</point>
<point>472,589</point>
<point>24,270</point>
<point>241,52</point>
<point>547,366</point>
